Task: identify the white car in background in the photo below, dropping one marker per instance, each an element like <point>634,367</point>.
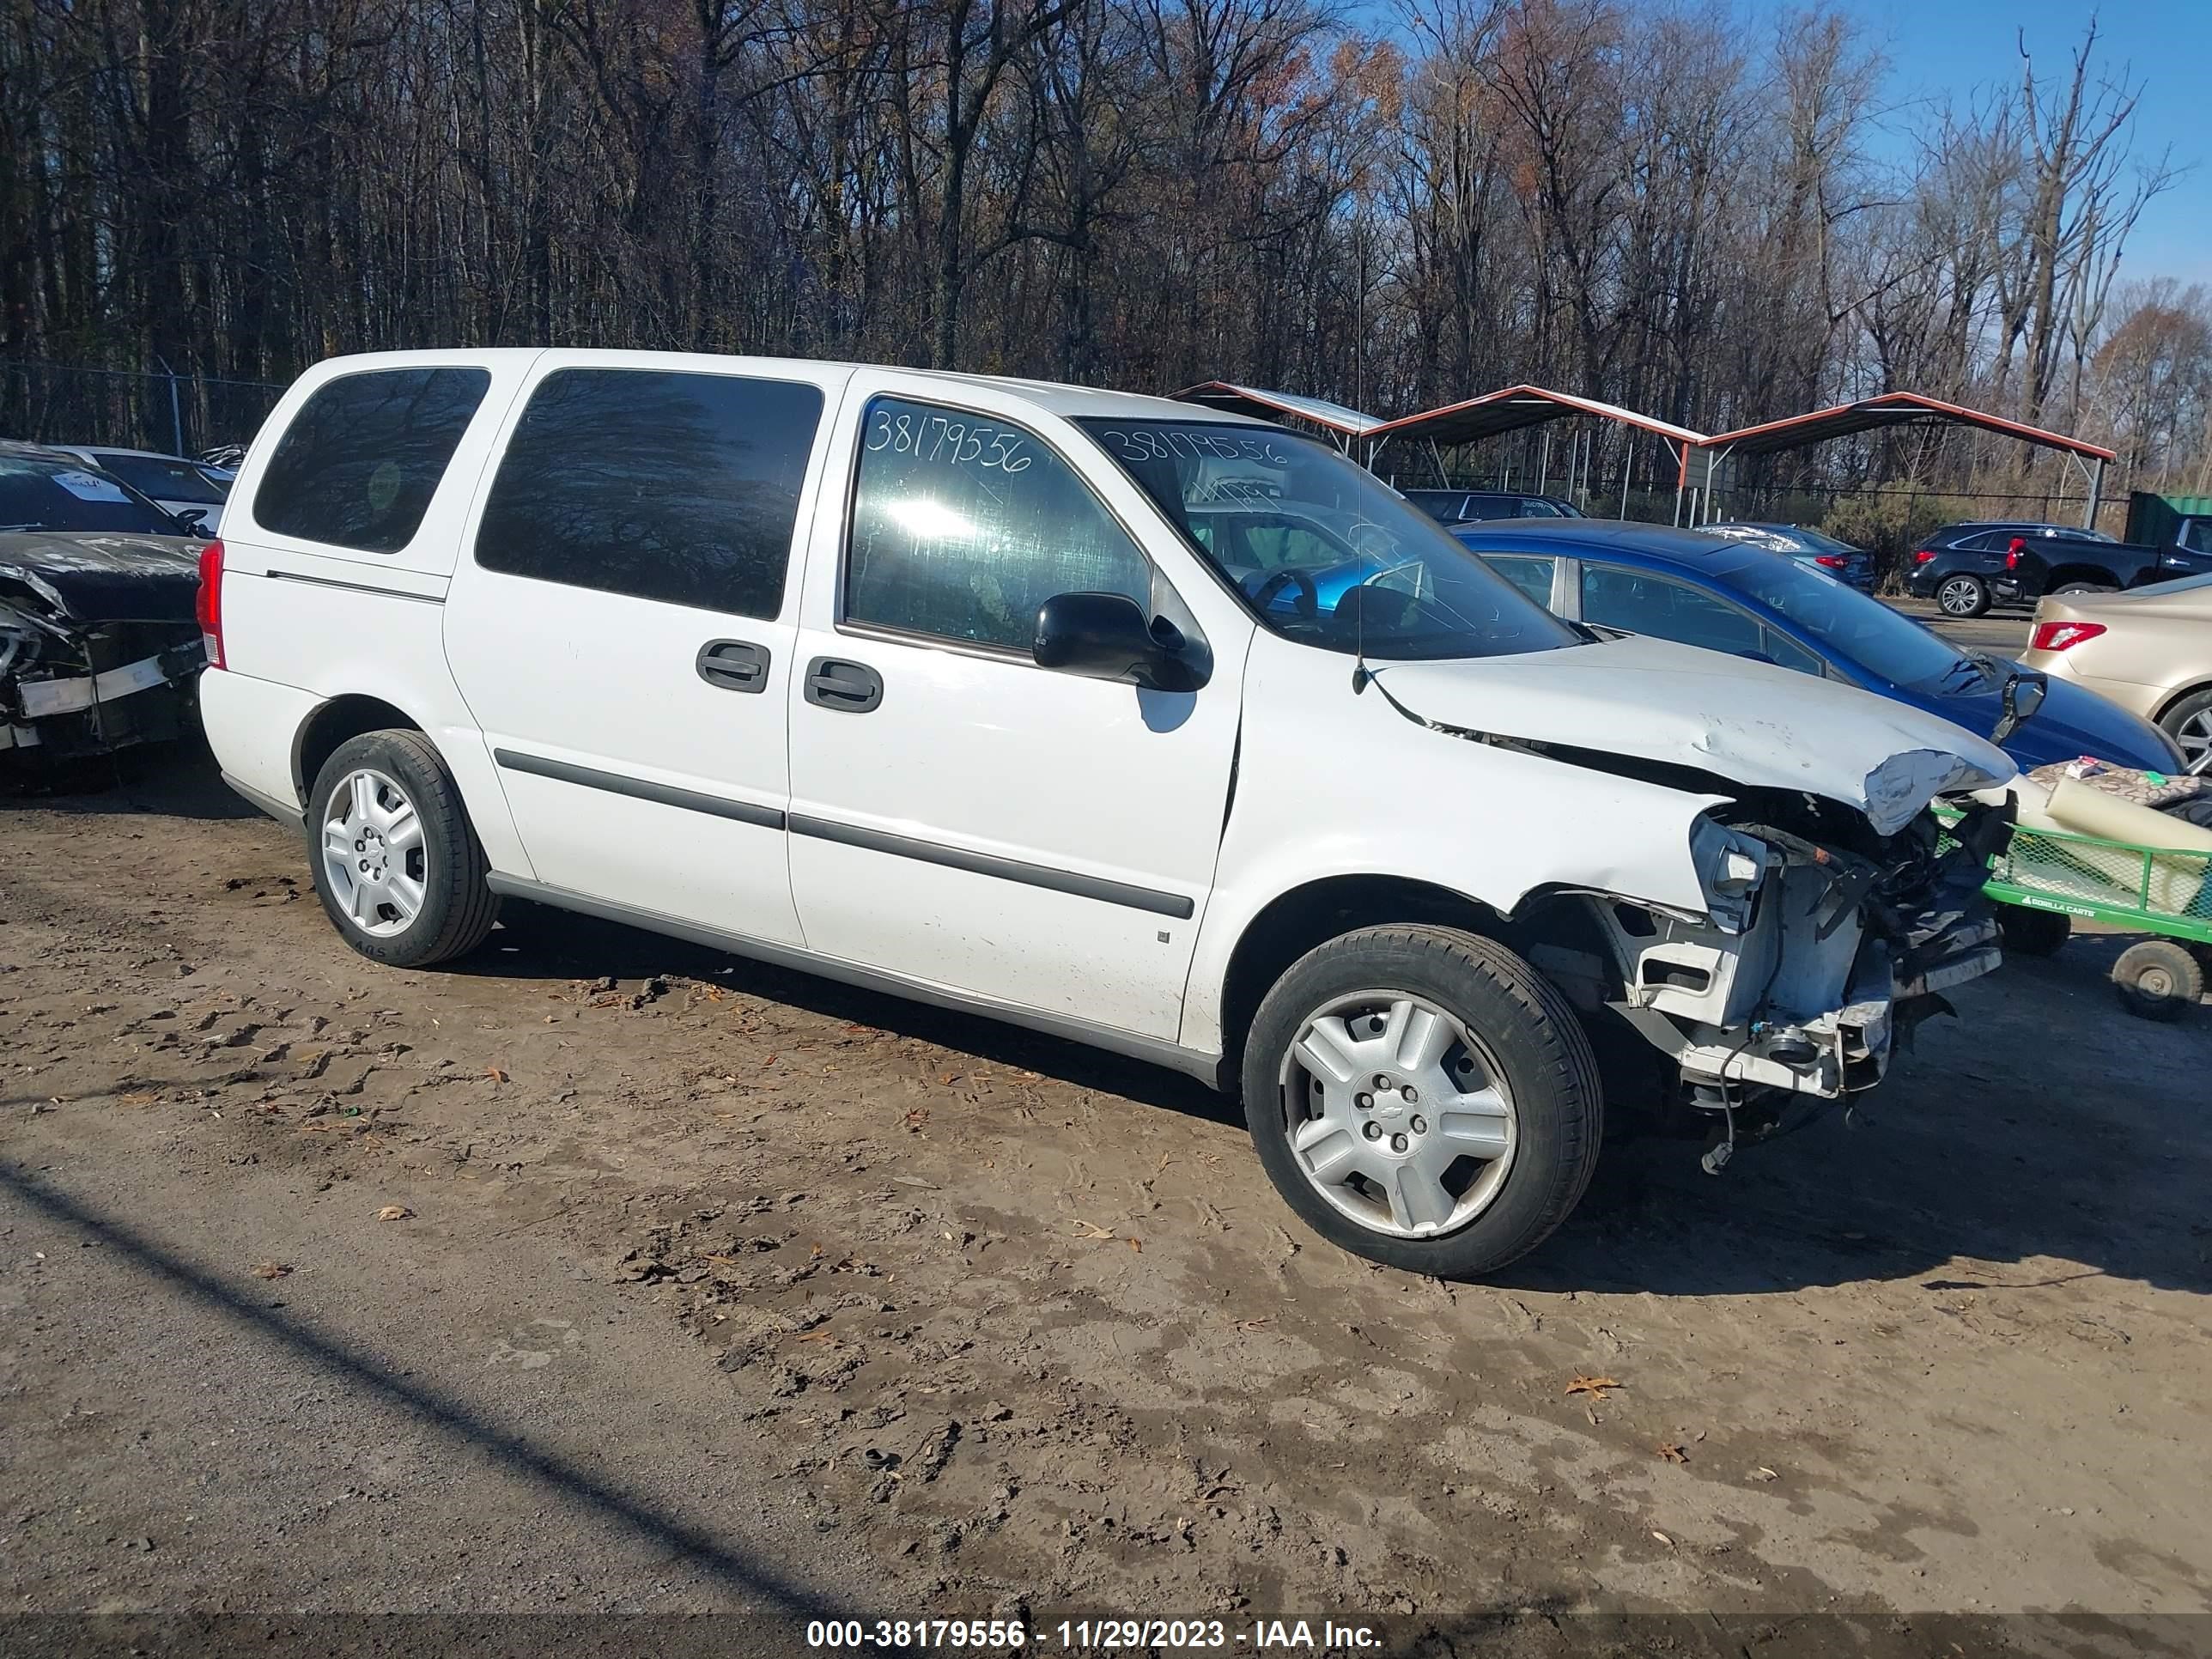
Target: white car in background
<point>191,491</point>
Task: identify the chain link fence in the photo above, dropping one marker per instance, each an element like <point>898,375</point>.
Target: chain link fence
<point>178,413</point>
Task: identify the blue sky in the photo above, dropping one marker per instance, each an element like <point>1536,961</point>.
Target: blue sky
<point>1949,46</point>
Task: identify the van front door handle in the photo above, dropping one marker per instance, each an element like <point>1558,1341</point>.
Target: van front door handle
<point>851,688</point>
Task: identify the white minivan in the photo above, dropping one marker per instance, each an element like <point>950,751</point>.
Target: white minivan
<point>1162,730</point>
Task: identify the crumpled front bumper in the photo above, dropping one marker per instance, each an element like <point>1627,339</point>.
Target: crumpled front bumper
<point>1809,999</point>
<point>61,715</point>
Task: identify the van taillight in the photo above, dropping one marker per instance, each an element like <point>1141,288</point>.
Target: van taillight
<point>209,605</point>
<point>2058,635</point>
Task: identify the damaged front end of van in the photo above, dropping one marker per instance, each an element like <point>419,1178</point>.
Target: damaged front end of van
<point>1836,913</point>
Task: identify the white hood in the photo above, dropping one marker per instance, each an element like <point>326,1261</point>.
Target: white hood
<point>1751,722</point>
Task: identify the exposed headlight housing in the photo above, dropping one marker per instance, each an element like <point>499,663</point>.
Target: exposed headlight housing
<point>1730,867</point>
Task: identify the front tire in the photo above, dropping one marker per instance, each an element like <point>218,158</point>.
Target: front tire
<point>1962,597</point>
<point>1423,1097</point>
<point>397,863</point>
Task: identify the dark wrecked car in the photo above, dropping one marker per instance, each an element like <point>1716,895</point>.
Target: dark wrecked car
<point>100,644</point>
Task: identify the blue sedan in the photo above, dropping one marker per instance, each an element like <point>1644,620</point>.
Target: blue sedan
<point>1726,596</point>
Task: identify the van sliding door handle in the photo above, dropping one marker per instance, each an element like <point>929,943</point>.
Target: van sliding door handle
<point>851,688</point>
<point>733,665</point>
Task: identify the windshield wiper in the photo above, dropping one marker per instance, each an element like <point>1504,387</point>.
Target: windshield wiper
<point>1980,667</point>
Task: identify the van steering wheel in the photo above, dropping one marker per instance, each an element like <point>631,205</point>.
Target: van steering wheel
<point>1307,602</point>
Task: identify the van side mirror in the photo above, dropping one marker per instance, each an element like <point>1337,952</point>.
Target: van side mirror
<point>1108,637</point>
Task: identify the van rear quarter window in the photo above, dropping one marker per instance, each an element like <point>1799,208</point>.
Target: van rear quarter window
<point>359,464</point>
<point>678,487</point>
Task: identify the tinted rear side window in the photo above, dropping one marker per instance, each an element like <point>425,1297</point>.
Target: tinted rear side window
<point>361,460</point>
<point>678,487</point>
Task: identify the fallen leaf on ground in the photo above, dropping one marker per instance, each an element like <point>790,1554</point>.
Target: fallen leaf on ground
<point>1663,1539</point>
<point>1762,1473</point>
<point>1592,1386</point>
<point>1084,1230</point>
<point>495,1074</point>
<point>394,1212</point>
<point>270,1269</point>
<point>1672,1453</point>
<point>1136,1244</point>
<point>916,1118</point>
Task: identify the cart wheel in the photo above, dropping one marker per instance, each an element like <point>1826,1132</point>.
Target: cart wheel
<point>2158,979</point>
<point>2033,933</point>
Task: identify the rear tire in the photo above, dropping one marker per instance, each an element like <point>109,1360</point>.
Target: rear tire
<point>2188,723</point>
<point>1488,1131</point>
<point>2158,979</point>
<point>1962,597</point>
<point>397,863</point>
<point>2031,933</point>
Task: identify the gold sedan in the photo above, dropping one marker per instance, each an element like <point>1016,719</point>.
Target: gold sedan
<point>2149,649</point>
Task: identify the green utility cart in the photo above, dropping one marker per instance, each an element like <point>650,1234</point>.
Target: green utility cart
<point>2046,878</point>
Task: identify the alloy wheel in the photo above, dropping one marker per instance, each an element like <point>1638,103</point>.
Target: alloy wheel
<point>1959,597</point>
<point>375,852</point>
<point>2195,736</point>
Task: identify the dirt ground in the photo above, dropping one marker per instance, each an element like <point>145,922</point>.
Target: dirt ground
<point>710,1289</point>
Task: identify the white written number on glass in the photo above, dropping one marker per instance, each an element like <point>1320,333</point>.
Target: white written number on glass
<point>941,438</point>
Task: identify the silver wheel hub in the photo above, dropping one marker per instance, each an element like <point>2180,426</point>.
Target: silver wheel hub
<point>374,853</point>
<point>1398,1115</point>
<point>2195,735</point>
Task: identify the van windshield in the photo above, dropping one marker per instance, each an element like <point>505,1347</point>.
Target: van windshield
<point>1321,549</point>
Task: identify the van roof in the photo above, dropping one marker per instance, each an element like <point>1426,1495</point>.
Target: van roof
<point>1051,395</point>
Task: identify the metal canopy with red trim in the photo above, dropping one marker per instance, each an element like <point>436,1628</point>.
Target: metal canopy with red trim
<point>1514,407</point>
<point>1263,406</point>
<point>1890,408</point>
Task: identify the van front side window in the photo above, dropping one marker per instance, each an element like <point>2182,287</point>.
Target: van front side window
<point>963,526</point>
